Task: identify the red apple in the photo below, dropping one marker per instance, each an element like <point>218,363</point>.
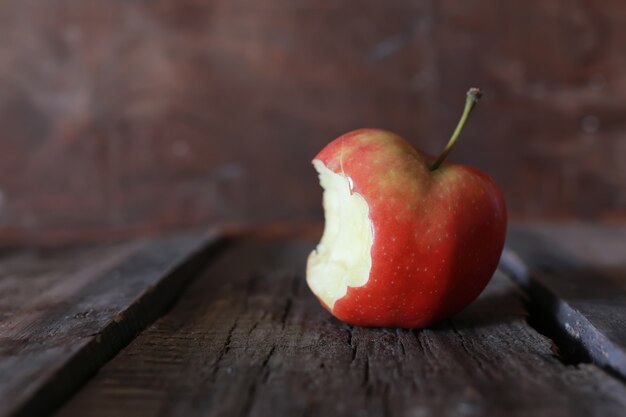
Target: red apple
<point>408,240</point>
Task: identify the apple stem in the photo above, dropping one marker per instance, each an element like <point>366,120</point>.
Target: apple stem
<point>473,95</point>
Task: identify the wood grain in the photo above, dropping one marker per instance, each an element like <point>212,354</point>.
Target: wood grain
<point>126,118</point>
<point>249,339</point>
<point>65,312</point>
<point>576,274</point>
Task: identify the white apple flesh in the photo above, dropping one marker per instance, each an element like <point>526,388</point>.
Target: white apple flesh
<point>342,259</point>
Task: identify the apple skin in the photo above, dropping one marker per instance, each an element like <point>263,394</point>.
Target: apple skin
<point>438,235</point>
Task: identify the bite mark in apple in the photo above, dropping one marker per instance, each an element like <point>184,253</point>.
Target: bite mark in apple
<point>342,258</point>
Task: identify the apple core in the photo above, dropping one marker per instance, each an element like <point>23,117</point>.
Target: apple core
<point>342,258</point>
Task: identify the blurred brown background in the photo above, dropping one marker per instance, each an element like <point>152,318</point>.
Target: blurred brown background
<point>131,117</point>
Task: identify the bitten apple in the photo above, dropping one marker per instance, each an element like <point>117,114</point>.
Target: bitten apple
<point>408,240</point>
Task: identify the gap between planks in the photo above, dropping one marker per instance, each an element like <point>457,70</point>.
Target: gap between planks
<point>89,315</point>
<point>575,279</point>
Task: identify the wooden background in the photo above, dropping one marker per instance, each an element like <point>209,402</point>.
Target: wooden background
<point>130,117</point>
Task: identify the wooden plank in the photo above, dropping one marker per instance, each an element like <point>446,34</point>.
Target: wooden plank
<point>249,339</point>
<point>67,311</point>
<point>576,276</point>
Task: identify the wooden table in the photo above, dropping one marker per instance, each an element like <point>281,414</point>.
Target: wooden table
<point>225,325</point>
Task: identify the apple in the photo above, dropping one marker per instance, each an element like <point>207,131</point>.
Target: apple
<point>408,240</point>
